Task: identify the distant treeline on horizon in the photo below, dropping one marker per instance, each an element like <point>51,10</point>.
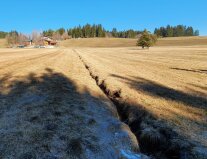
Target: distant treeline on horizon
<point>176,31</point>
<point>90,31</point>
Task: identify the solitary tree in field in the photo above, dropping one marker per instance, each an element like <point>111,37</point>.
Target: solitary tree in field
<point>146,40</point>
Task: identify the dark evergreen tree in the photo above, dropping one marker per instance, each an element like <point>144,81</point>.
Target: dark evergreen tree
<point>93,31</point>
<point>196,33</point>
<point>3,34</point>
<point>48,33</point>
<point>169,31</point>
<point>189,31</point>
<point>61,31</point>
<point>114,32</point>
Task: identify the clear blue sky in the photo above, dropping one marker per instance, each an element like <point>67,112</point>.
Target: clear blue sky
<point>28,15</point>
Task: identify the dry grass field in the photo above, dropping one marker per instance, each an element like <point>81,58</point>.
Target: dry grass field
<point>99,42</point>
<point>170,83</point>
<point>79,100</point>
<point>51,108</point>
<point>182,41</point>
<point>118,42</point>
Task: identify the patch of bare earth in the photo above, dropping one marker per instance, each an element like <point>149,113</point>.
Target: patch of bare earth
<point>50,108</point>
<point>161,93</point>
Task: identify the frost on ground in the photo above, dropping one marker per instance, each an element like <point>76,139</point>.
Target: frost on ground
<point>51,109</point>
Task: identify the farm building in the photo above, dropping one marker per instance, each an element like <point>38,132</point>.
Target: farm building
<point>49,41</point>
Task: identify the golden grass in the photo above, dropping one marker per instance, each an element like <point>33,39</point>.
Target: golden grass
<point>47,103</point>
<point>120,42</point>
<point>182,41</point>
<point>170,82</point>
<point>99,42</point>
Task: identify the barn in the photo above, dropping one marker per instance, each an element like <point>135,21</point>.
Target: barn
<point>49,41</point>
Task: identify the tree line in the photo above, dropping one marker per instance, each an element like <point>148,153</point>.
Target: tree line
<point>3,34</point>
<point>14,38</point>
<point>176,31</point>
<point>86,31</point>
<point>125,34</point>
<point>91,31</point>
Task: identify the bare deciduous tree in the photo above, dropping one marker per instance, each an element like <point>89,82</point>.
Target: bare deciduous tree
<point>22,39</point>
<point>56,36</point>
<point>12,38</point>
<point>36,37</point>
<point>65,36</point>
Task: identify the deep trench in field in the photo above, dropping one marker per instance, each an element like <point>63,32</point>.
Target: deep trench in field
<point>155,138</point>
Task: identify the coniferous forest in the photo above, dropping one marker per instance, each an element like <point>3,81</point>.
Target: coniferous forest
<point>176,31</point>
<point>90,31</point>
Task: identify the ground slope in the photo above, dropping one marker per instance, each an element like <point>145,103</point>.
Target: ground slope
<point>99,42</point>
<point>182,41</point>
<point>51,108</point>
<point>122,42</point>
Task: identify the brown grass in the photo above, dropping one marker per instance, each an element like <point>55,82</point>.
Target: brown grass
<point>48,97</point>
<point>182,41</point>
<point>119,42</point>
<point>47,103</point>
<point>99,42</point>
<point>169,82</point>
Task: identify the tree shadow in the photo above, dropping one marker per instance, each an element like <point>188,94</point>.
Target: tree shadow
<point>44,116</point>
<point>191,70</point>
<point>141,120</point>
<point>155,89</point>
<point>139,48</point>
<point>31,115</point>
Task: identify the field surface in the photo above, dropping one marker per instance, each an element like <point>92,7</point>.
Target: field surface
<point>51,108</point>
<point>168,82</point>
<point>99,42</point>
<point>69,102</point>
<point>121,42</point>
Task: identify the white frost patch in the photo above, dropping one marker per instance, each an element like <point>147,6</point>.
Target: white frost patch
<point>129,155</point>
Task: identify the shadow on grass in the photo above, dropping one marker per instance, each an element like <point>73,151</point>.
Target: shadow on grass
<point>155,89</point>
<point>191,70</point>
<point>32,110</point>
<point>149,129</point>
<point>44,116</point>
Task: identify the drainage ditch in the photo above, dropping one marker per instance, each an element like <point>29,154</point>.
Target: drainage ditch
<point>155,138</point>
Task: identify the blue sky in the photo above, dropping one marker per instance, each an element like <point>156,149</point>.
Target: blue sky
<point>28,15</point>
